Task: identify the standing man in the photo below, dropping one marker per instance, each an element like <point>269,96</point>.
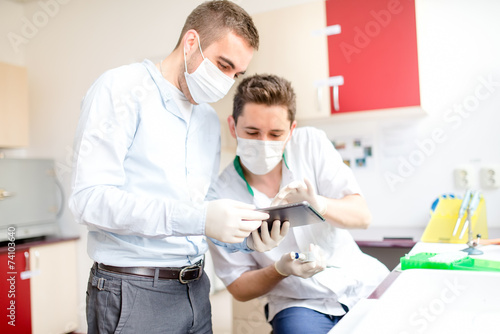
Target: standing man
<point>147,149</point>
<point>277,163</point>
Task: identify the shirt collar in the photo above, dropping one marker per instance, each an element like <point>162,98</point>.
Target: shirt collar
<point>163,87</point>
<point>285,160</point>
<point>239,170</point>
<point>158,79</point>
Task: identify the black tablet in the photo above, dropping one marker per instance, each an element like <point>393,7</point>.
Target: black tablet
<point>297,214</point>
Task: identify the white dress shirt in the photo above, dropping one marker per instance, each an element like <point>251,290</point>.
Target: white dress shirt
<point>309,154</point>
<point>141,172</point>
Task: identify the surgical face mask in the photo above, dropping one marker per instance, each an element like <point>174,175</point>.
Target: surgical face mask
<point>208,83</point>
<point>260,156</point>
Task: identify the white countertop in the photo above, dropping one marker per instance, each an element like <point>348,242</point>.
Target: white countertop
<point>381,233</point>
<point>376,233</point>
<point>432,301</point>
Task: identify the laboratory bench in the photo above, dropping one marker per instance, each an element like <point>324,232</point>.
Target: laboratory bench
<point>431,300</point>
<point>387,244</point>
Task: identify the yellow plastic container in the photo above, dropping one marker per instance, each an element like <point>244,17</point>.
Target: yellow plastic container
<point>443,220</point>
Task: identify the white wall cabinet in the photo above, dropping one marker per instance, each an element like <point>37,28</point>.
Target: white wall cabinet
<point>14,123</point>
<point>292,46</point>
<point>43,287</point>
<point>54,303</point>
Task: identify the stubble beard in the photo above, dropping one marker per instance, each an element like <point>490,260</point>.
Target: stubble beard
<point>182,80</point>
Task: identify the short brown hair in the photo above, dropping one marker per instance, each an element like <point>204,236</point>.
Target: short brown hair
<point>266,89</point>
<point>214,19</point>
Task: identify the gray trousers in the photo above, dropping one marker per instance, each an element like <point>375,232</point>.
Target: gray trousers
<point>127,304</point>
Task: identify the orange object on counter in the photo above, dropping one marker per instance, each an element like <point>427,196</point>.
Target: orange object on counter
<point>489,242</point>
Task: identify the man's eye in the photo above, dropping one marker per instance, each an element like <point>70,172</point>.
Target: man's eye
<point>276,136</point>
<point>252,133</point>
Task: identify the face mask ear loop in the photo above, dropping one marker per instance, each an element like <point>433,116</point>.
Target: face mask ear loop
<point>285,141</point>
<point>287,137</point>
<point>199,45</point>
<point>236,133</point>
<point>185,64</point>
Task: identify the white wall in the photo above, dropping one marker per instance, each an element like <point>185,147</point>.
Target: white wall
<point>10,14</point>
<point>80,39</point>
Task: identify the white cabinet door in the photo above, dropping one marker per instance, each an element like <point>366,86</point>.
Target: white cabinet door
<point>13,106</point>
<point>290,48</point>
<point>54,303</point>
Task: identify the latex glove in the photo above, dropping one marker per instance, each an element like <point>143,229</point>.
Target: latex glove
<point>232,221</point>
<point>264,241</point>
<point>298,191</point>
<point>287,265</point>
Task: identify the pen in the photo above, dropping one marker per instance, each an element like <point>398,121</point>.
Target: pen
<point>474,202</point>
<point>461,212</point>
<point>306,258</point>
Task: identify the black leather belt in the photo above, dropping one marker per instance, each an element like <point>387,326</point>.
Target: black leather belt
<point>184,275</point>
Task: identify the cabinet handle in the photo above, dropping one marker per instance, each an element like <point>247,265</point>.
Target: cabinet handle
<point>37,259</point>
<point>27,259</point>
<point>336,104</point>
<point>333,82</point>
<point>5,194</point>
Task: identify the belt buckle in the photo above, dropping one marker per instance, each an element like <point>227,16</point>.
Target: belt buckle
<point>183,270</point>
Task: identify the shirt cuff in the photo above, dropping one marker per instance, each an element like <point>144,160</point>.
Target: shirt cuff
<point>188,218</point>
<point>231,248</point>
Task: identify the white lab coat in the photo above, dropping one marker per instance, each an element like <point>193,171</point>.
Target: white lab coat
<point>309,154</point>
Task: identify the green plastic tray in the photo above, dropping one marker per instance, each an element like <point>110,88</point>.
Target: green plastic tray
<point>421,261</point>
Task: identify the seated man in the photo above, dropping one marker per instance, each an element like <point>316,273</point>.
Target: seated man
<point>272,154</point>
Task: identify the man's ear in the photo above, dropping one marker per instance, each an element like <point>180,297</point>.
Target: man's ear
<point>232,125</point>
<point>190,41</point>
<point>292,127</point>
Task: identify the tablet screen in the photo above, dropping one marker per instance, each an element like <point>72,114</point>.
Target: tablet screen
<point>297,214</point>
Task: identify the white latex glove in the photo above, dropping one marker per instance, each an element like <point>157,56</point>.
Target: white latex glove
<point>232,221</point>
<point>298,191</point>
<point>264,241</point>
<point>287,265</point>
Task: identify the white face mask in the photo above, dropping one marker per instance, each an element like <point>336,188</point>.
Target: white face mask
<point>208,83</point>
<point>260,156</point>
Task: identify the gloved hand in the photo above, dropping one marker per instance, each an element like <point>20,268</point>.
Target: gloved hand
<point>287,265</point>
<point>264,241</point>
<point>298,191</point>
<point>232,221</point>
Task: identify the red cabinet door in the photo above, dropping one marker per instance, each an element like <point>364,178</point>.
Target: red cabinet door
<point>376,53</point>
<point>15,294</point>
